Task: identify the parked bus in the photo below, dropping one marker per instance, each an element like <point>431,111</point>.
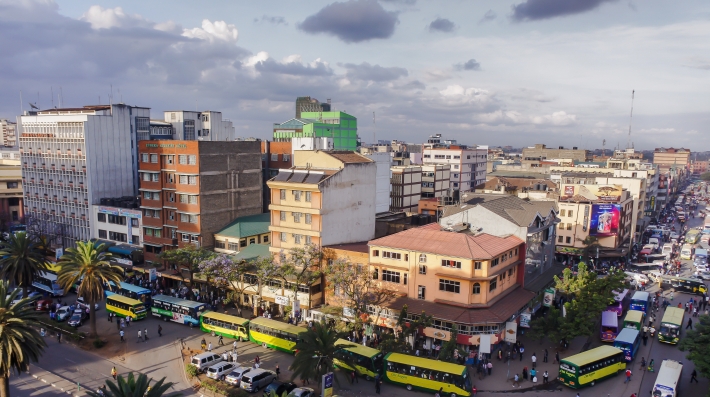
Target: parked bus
<point>47,282</point>
<point>671,324</point>
<point>226,325</point>
<point>628,340</point>
<point>131,291</point>
<point>686,252</point>
<point>684,284</point>
<point>610,326</point>
<point>639,301</point>
<point>666,384</point>
<point>427,374</point>
<point>644,268</point>
<point>123,306</point>
<point>584,369</point>
<point>633,320</point>
<point>178,310</point>
<point>621,302</point>
<point>367,361</point>
<point>274,334</point>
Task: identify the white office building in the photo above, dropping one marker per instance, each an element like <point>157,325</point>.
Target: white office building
<point>8,133</point>
<point>468,164</point>
<point>200,126</point>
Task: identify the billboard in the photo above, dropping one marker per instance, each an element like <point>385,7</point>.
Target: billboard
<point>607,193</point>
<point>605,220</point>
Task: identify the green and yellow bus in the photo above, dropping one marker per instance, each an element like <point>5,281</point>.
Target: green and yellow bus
<point>223,324</point>
<point>633,320</point>
<point>427,374</point>
<point>123,306</point>
<point>367,361</point>
<point>671,324</point>
<point>584,369</point>
<point>275,334</point>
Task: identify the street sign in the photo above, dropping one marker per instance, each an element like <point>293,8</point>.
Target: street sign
<point>327,385</point>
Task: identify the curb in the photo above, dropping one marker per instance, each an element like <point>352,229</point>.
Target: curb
<point>55,386</point>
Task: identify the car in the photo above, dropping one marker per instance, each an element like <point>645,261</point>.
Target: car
<point>75,320</point>
<point>235,377</point>
<point>702,268</point>
<point>256,379</point>
<point>43,304</point>
<point>702,275</point>
<point>675,236</point>
<point>220,370</point>
<point>80,303</point>
<point>63,313</point>
<point>302,392</point>
<point>277,388</point>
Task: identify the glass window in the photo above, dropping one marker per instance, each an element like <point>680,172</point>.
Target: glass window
<point>449,286</point>
<point>422,258</point>
<point>154,158</point>
<point>282,215</point>
<point>283,194</point>
<point>297,217</point>
<point>102,233</point>
<point>476,289</point>
<point>493,285</point>
<point>375,274</point>
<point>182,159</point>
<point>284,236</point>
<point>155,177</point>
<point>308,219</point>
<point>451,263</point>
<point>308,196</point>
<point>477,265</point>
<point>392,277</point>
<point>101,217</point>
<point>297,195</point>
<point>422,269</point>
<point>562,212</point>
<point>144,157</point>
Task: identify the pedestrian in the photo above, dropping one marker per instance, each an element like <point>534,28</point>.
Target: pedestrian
<point>557,358</point>
<point>544,357</point>
<point>533,375</point>
<point>160,330</point>
<point>516,380</point>
<point>695,312</point>
<point>545,375</point>
<point>645,339</point>
<point>59,336</point>
<point>686,307</point>
<point>534,360</point>
<point>140,336</point>
<point>128,321</point>
<point>123,323</point>
<point>145,334</point>
<point>257,360</point>
<point>220,340</point>
<point>438,394</point>
<point>114,373</point>
<point>234,356</point>
<point>490,368</point>
<point>522,350</point>
<point>378,384</point>
<point>110,317</point>
<point>121,333</point>
<point>474,391</point>
<point>694,376</point>
<point>690,324</point>
<point>628,376</point>
<point>278,370</point>
<point>209,347</point>
<point>525,373</point>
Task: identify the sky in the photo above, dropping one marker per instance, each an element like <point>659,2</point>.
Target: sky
<point>498,72</point>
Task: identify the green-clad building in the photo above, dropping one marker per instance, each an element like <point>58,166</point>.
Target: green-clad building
<point>339,126</point>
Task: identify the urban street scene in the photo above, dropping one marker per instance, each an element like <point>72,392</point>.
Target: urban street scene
<point>358,198</point>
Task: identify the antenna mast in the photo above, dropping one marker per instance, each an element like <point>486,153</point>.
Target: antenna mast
<point>631,116</point>
<point>374,129</point>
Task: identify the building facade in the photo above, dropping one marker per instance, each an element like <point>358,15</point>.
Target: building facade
<point>207,125</point>
<point>8,133</point>
<point>339,126</point>
<point>243,232</point>
<point>467,165</point>
<point>406,188</point>
<point>436,180</point>
<point>117,222</point>
<point>11,207</point>
<point>542,152</point>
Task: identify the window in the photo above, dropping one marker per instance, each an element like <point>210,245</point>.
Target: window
<point>282,215</point>
<point>145,177</point>
<point>375,252</point>
<point>375,274</point>
<point>297,195</point>
<point>117,236</point>
<point>308,196</point>
<point>451,263</point>
<point>144,157</point>
<point>274,157</point>
<point>192,180</point>
<point>390,276</point>
<point>286,157</point>
<point>284,236</point>
<point>570,213</point>
<point>135,240</point>
<point>406,277</point>
<point>182,159</point>
<point>233,246</point>
<point>510,272</point>
<point>449,286</point>
<point>391,255</point>
<point>155,177</point>
<point>188,218</point>
<point>569,226</point>
<point>501,277</point>
<point>568,240</point>
<point>102,233</point>
<point>562,212</point>
<point>219,244</point>
<point>559,239</point>
<point>421,293</point>
<point>422,269</point>
<point>422,258</point>
<point>297,217</point>
<point>101,217</point>
<point>493,285</point>
<point>495,262</point>
<point>476,289</point>
<point>308,219</point>
<point>477,265</point>
<point>171,197</point>
<point>117,220</point>
<point>154,158</point>
<point>283,194</point>
<point>183,179</point>
<point>308,240</point>
<point>265,238</point>
<point>297,238</point>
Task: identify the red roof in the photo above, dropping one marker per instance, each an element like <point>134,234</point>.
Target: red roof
<point>432,239</point>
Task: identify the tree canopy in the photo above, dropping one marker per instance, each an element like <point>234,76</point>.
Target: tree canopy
<point>697,344</point>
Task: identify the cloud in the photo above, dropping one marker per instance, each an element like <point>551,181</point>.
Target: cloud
<point>408,2</point>
<point>488,16</point>
<point>698,63</point>
<point>272,19</point>
<point>532,10</point>
<point>212,31</point>
<point>367,72</point>
<point>107,18</point>
<point>471,64</point>
<point>560,118</point>
<point>352,21</point>
<point>441,25</point>
<point>290,65</point>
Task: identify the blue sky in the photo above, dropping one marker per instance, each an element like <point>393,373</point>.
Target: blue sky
<point>506,72</point>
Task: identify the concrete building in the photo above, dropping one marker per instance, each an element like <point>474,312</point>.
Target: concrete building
<point>118,220</point>
<point>157,130</point>
<point>542,152</point>
<point>274,156</point>
<point>383,186</point>
<point>436,180</point>
<point>699,167</point>
<point>326,198</point>
<point>243,232</point>
<point>11,203</point>
<point>192,189</point>
<point>8,133</point>
<point>307,104</point>
<point>339,126</point>
<point>406,188</point>
<point>524,188</point>
<point>207,125</point>
<point>71,158</point>
<point>471,280</point>
<point>468,164</point>
<point>670,157</point>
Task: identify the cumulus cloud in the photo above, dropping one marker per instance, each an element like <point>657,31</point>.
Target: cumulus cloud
<point>441,25</point>
<point>352,21</point>
<point>291,65</point>
<point>367,72</point>
<point>107,18</point>
<point>471,64</point>
<point>560,118</point>
<point>272,19</point>
<point>488,16</point>
<point>531,10</point>
<point>458,95</point>
<point>213,31</point>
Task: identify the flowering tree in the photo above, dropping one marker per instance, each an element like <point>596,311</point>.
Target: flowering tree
<point>227,273</point>
<point>302,266</point>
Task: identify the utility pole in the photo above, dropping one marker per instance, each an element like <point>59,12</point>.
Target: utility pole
<point>631,115</point>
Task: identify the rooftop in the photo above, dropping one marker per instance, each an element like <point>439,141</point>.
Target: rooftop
<point>355,247</point>
<point>349,157</point>
<point>303,175</point>
<point>252,253</point>
<point>517,183</point>
<point>512,208</point>
<point>245,226</point>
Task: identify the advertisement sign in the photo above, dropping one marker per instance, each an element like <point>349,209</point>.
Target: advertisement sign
<point>586,218</point>
<point>120,211</point>
<point>548,297</point>
<point>327,385</point>
<point>653,203</point>
<point>485,346</point>
<point>569,191</point>
<point>58,253</point>
<point>152,274</point>
<point>610,193</point>
<point>511,331</point>
<point>296,306</point>
<point>605,220</point>
<point>525,320</point>
<point>281,300</point>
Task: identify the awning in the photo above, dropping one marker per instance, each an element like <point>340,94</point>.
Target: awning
<point>122,250</point>
<point>153,244</point>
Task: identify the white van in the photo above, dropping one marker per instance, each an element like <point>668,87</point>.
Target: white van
<point>667,250</point>
<point>666,384</point>
<point>638,277</point>
<point>205,360</point>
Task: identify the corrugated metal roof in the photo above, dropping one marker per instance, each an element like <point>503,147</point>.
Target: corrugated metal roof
<point>245,226</point>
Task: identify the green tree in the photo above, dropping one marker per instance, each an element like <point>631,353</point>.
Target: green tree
<point>20,341</point>
<point>22,260</point>
<point>188,257</point>
<point>88,266</point>
<point>705,176</point>
<point>697,344</point>
<point>302,266</point>
<point>316,351</point>
<point>591,247</point>
<point>263,270</point>
<point>136,387</point>
<point>447,350</point>
<point>552,325</point>
<point>227,273</point>
<point>400,340</point>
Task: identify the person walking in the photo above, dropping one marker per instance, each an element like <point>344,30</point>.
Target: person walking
<point>489,366</point>
<point>121,333</point>
<point>128,321</point>
<point>516,380</point>
<point>645,339</point>
<point>234,346</point>
<point>220,340</point>
<point>145,334</point>
<point>140,336</point>
<point>278,370</point>
<point>544,357</point>
<point>114,372</point>
<point>690,324</point>
<point>522,350</point>
<point>209,347</point>
<point>533,375</point>
<point>353,377</point>
<point>110,317</point>
<point>694,376</point>
<point>474,391</point>
<point>557,358</point>
<point>628,376</point>
<point>378,384</point>
<point>525,373</point>
<point>534,360</point>
<point>545,375</point>
<point>160,330</point>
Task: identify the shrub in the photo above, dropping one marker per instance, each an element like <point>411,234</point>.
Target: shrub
<point>99,343</point>
<point>190,370</point>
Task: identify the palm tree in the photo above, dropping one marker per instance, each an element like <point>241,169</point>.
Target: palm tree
<point>135,387</point>
<point>22,260</point>
<point>316,351</point>
<point>87,265</point>
<point>20,342</point>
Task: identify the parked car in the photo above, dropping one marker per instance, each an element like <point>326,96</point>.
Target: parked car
<point>278,388</point>
<point>43,304</point>
<point>220,370</point>
<point>80,303</point>
<point>63,313</point>
<point>235,377</point>
<point>302,392</point>
<point>205,360</point>
<point>256,379</point>
<point>76,320</point>
<point>702,275</point>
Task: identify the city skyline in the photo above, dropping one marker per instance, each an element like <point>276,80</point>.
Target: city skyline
<point>493,73</point>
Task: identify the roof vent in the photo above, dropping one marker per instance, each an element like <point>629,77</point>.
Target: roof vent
<point>457,228</point>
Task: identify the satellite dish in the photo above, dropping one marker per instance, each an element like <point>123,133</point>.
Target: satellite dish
<point>33,106</point>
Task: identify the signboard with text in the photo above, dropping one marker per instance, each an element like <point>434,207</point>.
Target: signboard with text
<point>605,220</point>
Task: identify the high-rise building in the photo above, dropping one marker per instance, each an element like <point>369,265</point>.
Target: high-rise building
<point>192,189</point>
<point>468,164</point>
<point>406,188</point>
<point>8,133</point>
<point>542,152</point>
<point>308,104</point>
<point>72,157</point>
<point>339,126</point>
<point>436,180</point>
<point>11,208</point>
<point>200,126</point>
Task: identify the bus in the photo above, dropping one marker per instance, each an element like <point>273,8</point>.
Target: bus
<point>610,326</point>
<point>639,301</point>
<point>633,320</point>
<point>584,369</point>
<point>692,236</point>
<point>686,252</point>
<point>123,306</point>
<point>644,268</point>
<point>684,284</point>
<point>368,361</point>
<point>666,384</point>
<point>131,291</point>
<point>47,282</point>
<point>224,324</point>
<point>274,334</point>
<point>621,302</point>
<point>178,310</point>
<point>427,374</point>
<point>628,340</point>
<point>671,324</point>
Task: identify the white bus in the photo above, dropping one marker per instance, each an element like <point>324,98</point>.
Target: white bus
<point>47,282</point>
<point>667,380</point>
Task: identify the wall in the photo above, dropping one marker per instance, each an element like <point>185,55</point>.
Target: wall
<point>382,181</point>
<point>349,205</point>
<point>129,229</point>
